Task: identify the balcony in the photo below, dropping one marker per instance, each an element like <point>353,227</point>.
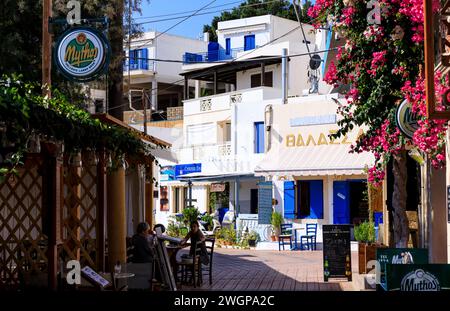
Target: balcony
<point>139,69</point>
<point>226,100</point>
<point>205,152</point>
<point>212,56</point>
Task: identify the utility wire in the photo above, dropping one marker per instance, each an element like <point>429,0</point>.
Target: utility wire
<point>301,26</point>
<point>205,13</point>
<point>247,60</point>
<point>178,23</point>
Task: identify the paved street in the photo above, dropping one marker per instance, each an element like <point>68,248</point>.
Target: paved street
<point>238,270</point>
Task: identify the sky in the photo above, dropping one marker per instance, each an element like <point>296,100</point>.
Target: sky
<point>192,27</point>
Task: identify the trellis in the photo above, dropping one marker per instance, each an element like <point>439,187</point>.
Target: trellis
<point>23,251</point>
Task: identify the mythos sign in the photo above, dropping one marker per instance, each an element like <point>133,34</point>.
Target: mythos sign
<point>406,119</point>
<point>82,54</point>
<point>419,280</point>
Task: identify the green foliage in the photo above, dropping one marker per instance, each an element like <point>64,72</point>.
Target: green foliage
<point>209,221</point>
<point>25,112</point>
<point>282,8</point>
<point>276,220</point>
<point>365,232</point>
<point>190,214</point>
<point>253,235</point>
<point>227,234</point>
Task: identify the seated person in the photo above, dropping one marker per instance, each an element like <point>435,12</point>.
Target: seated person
<point>143,244</point>
<point>196,235</point>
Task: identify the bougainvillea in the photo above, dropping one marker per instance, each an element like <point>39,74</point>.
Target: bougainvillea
<point>381,63</point>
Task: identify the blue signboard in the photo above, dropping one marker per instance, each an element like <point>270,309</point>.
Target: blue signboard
<point>183,169</point>
<point>264,202</point>
<point>167,173</point>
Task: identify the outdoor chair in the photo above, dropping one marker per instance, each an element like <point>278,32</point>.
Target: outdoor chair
<point>190,267</point>
<point>285,235</point>
<point>310,237</point>
<point>208,268</point>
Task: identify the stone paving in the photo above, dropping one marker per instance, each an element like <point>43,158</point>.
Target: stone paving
<point>246,270</point>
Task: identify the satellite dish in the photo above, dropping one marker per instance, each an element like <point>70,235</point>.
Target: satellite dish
<point>314,62</point>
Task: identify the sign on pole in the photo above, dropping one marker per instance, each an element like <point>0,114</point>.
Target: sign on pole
<point>82,54</point>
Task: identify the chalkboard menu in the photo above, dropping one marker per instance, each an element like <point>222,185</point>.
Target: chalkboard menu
<point>336,252</point>
<point>264,202</point>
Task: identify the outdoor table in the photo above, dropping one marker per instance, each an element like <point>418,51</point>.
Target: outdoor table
<point>295,237</point>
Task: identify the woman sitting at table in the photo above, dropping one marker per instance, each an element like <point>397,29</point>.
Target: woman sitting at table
<point>196,235</point>
<point>143,244</point>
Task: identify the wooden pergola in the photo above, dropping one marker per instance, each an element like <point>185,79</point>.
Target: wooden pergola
<point>60,208</point>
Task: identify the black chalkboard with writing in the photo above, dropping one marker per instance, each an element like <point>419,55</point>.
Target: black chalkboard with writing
<point>336,252</point>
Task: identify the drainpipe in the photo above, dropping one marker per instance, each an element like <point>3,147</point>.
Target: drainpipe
<point>284,76</point>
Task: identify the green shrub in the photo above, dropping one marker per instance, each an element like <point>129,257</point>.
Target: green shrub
<point>365,232</point>
<point>276,220</point>
<point>208,219</point>
<point>190,214</point>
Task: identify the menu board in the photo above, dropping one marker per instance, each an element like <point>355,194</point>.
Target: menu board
<point>264,202</point>
<point>336,252</point>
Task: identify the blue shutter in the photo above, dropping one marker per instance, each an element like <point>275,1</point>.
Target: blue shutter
<point>227,46</point>
<point>249,42</point>
<point>144,55</point>
<point>289,199</point>
<point>341,207</point>
<point>259,137</point>
<point>131,59</point>
<point>316,199</point>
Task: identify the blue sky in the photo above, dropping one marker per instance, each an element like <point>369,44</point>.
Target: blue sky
<point>192,27</point>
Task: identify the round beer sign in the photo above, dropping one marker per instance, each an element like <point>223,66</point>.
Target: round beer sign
<point>82,54</point>
<point>406,119</point>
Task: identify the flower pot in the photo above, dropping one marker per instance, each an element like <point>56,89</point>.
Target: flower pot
<point>252,243</point>
<point>366,253</point>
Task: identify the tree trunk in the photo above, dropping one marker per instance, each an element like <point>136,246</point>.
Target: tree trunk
<point>400,220</point>
<point>115,87</point>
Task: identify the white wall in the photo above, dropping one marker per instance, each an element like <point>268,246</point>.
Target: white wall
<point>167,47</point>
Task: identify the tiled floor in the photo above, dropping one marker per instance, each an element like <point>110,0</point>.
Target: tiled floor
<point>238,270</point>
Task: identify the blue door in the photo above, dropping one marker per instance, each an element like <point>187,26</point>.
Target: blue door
<point>316,197</point>
<point>249,42</point>
<point>289,199</point>
<point>259,137</point>
<point>341,200</point>
<point>227,46</point>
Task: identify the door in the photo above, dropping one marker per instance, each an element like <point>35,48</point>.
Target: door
<point>249,42</point>
<point>341,206</point>
<point>253,201</point>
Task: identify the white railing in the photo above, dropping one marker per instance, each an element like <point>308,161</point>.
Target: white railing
<point>226,100</point>
<point>206,152</point>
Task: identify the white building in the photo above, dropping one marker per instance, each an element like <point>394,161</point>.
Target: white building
<point>159,80</point>
<point>224,134</point>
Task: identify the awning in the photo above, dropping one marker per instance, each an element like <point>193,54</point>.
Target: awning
<point>313,161</point>
<point>216,177</point>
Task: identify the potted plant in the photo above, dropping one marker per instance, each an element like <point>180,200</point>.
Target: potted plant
<point>276,221</point>
<point>190,214</point>
<point>365,235</point>
<point>253,238</point>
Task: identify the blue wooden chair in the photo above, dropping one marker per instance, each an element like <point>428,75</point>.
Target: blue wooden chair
<point>310,237</point>
<point>285,235</point>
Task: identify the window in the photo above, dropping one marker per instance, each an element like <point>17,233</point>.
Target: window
<point>253,201</point>
<point>228,46</point>
<point>259,137</point>
<point>164,200</point>
<point>249,42</point>
<point>310,199</point>
<point>98,103</point>
<point>255,80</point>
<point>227,132</point>
<point>138,59</point>
<point>177,200</point>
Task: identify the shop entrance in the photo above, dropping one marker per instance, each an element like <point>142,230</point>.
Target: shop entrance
<point>350,202</point>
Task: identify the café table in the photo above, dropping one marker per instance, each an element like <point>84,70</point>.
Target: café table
<point>295,237</point>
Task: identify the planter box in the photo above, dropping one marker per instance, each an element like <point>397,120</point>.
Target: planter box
<point>366,253</point>
<point>252,243</point>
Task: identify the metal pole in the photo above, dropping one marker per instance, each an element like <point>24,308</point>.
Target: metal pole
<point>284,77</point>
<point>144,107</point>
<point>190,192</point>
<point>46,47</point>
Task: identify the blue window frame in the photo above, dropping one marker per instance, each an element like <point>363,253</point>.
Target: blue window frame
<point>310,199</point>
<point>138,59</point>
<point>259,137</point>
<point>249,42</point>
<point>228,46</point>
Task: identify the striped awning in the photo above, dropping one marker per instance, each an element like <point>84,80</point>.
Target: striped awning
<point>313,161</point>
